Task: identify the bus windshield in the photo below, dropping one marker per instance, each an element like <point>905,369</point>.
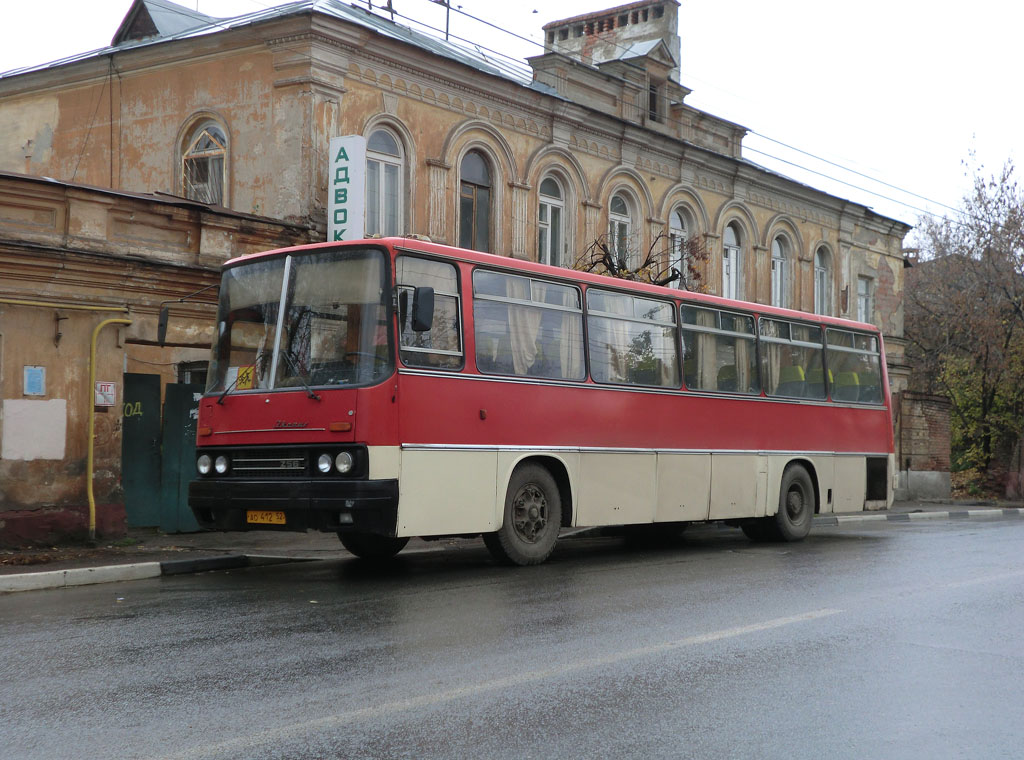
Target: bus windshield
<point>308,319</point>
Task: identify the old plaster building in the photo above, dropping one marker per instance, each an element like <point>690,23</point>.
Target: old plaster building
<point>592,140</point>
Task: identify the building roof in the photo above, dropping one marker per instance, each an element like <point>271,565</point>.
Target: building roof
<point>151,22</point>
<point>157,18</point>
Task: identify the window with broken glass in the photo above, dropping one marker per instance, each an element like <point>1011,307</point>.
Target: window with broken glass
<point>203,165</point>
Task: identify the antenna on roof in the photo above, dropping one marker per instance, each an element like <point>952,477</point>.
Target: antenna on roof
<point>447,15</point>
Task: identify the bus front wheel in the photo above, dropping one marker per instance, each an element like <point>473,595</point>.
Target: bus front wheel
<point>370,546</point>
<point>532,518</point>
<point>796,510</point>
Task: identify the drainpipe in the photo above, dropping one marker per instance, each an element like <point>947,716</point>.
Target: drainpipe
<point>92,419</point>
<point>55,305</point>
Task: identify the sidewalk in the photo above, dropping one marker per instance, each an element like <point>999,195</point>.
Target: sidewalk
<point>147,553</point>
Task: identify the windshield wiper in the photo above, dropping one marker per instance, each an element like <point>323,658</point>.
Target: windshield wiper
<point>299,374</point>
<point>220,398</point>
<point>260,359</point>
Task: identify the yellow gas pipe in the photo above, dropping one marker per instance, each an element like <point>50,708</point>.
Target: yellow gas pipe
<point>92,418</point>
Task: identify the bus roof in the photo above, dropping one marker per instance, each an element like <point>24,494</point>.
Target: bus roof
<point>421,245</point>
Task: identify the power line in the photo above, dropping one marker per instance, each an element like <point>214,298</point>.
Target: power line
<point>510,65</point>
<point>814,156</point>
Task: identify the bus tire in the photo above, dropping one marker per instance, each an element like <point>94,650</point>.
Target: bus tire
<point>371,546</point>
<point>532,518</point>
<point>796,504</point>
<point>796,510</point>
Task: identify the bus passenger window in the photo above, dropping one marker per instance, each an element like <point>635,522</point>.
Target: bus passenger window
<point>632,340</point>
<point>440,347</point>
<point>855,363</point>
<point>527,327</point>
<point>791,359</point>
<point>719,353</point>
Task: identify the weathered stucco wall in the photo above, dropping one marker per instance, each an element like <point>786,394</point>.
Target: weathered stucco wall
<point>72,257</point>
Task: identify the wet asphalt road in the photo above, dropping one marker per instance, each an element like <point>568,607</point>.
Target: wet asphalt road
<point>869,641</point>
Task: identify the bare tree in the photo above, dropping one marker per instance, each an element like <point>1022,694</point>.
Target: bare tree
<point>662,265</point>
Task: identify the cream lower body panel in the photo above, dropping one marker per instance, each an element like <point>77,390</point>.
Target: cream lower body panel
<point>455,490</point>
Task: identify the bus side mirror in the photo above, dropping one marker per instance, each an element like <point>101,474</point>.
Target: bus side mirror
<point>161,325</point>
<point>422,309</point>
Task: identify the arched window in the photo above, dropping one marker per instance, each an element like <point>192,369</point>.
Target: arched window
<point>204,163</point>
<point>822,281</point>
<point>620,230</point>
<point>680,230</point>
<point>731,263</point>
<point>780,273</point>
<point>551,243</point>
<point>475,202</point>
<point>384,168</point>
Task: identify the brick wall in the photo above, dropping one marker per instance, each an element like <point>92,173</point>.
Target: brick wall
<point>922,444</point>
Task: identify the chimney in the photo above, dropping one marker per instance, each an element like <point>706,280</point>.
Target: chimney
<point>609,35</point>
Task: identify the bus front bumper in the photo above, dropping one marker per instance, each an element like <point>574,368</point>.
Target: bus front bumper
<point>366,506</point>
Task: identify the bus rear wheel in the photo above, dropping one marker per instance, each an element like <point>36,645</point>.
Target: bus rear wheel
<point>532,518</point>
<point>371,546</point>
<point>796,510</point>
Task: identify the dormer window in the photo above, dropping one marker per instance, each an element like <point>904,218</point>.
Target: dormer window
<point>653,100</point>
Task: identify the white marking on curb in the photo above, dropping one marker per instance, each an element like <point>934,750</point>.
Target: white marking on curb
<point>985,513</point>
<point>860,518</point>
<point>929,515</point>
<point>78,577</point>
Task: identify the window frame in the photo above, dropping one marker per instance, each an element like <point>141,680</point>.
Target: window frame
<point>865,298</point>
<point>544,226</point>
<point>779,279</point>
<point>819,346</point>
<point>823,281</point>
<point>636,298</point>
<point>732,254</point>
<point>457,295</point>
<point>383,160</point>
<point>622,228</point>
<point>717,330</point>
<point>194,135</point>
<point>473,197</point>
<point>532,303</point>
<point>678,238</point>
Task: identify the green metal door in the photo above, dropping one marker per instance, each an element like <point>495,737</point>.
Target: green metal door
<point>140,449</point>
<point>181,411</point>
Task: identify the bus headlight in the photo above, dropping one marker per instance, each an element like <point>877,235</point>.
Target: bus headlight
<point>324,463</point>
<point>204,464</point>
<point>343,462</point>
<point>221,464</point>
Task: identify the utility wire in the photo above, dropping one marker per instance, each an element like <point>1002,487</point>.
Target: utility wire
<point>518,67</point>
<point>816,157</point>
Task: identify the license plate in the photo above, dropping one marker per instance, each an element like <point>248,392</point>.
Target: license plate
<point>263,517</point>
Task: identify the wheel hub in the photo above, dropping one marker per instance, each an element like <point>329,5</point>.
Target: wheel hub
<point>529,509</point>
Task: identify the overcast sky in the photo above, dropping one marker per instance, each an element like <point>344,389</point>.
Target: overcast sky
<point>899,90</point>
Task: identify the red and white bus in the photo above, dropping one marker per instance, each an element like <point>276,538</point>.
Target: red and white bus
<point>390,388</point>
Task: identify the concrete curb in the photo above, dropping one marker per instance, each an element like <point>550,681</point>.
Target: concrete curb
<point>84,576</point>
<point>959,514</point>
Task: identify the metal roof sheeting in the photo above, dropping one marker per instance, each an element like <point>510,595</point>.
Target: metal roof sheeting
<point>175,22</point>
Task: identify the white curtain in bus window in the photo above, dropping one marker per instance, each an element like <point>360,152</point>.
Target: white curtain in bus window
<point>719,351</point>
<point>791,359</point>
<point>526,327</point>
<point>854,365</point>
<point>441,345</point>
<point>632,340</point>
